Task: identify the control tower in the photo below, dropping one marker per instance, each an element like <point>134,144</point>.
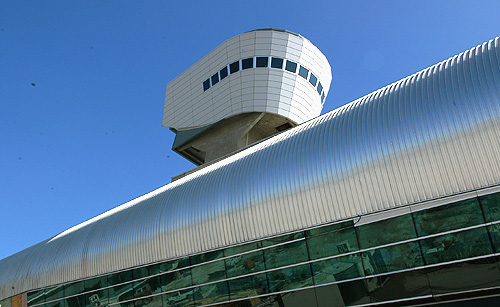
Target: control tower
<point>250,87</point>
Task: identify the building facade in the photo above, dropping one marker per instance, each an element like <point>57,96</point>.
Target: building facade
<point>392,199</point>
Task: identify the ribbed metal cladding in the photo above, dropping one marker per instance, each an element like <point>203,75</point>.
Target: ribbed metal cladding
<point>432,134</point>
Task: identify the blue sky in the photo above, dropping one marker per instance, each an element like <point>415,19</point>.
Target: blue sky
<point>82,86</point>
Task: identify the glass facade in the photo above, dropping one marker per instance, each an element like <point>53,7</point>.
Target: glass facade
<point>437,252</point>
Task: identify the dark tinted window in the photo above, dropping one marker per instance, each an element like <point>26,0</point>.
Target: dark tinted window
<point>303,72</point>
<point>291,66</point>
<point>323,98</point>
<point>277,63</point>
<point>215,79</point>
<point>206,84</point>
<point>223,73</point>
<point>261,61</point>
<point>320,88</point>
<point>234,67</point>
<point>247,63</point>
<point>313,80</point>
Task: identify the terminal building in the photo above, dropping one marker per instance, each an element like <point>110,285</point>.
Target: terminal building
<point>392,199</point>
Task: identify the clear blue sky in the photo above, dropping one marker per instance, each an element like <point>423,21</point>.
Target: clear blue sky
<point>82,86</point>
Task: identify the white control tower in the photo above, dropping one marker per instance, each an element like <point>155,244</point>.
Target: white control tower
<point>252,86</point>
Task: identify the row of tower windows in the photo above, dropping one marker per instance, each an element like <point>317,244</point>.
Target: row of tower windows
<point>265,62</point>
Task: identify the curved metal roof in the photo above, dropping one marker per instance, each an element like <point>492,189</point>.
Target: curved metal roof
<point>432,134</point>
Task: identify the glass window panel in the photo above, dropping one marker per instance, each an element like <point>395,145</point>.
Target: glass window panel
<point>96,298</point>
<point>261,61</point>
<point>212,293</point>
<point>386,231</point>
<point>74,288</point>
<point>234,67</point>
<point>448,217</point>
<point>59,303</point>
<point>245,264</point>
<point>323,98</point>
<point>206,84</point>
<point>200,258</point>
<point>54,293</point>
<point>223,73</point>
<point>392,258</point>
<point>149,301</point>
<point>176,280</point>
<point>215,79</point>
<point>313,80</point>
<point>146,271</point>
<point>320,88</point>
<point>147,287</point>
<point>230,251</point>
<point>290,278</point>
<point>247,63</point>
<point>337,269</point>
<point>174,265</point>
<point>465,275</point>
<point>282,239</point>
<point>277,63</point>
<point>495,236</point>
<point>184,298</point>
<point>287,254</point>
<point>344,294</point>
<point>303,72</point>
<point>77,301</point>
<point>454,246</point>
<point>36,297</point>
<point>291,66</point>
<point>333,243</point>
<point>491,206</point>
<point>209,272</point>
<point>121,293</point>
<point>329,228</point>
<point>248,286</point>
<point>399,286</point>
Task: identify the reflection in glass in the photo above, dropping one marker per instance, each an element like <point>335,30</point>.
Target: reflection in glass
<point>247,63</point>
<point>208,272</point>
<point>491,206</point>
<point>392,258</point>
<point>333,243</point>
<point>495,236</point>
<point>54,293</point>
<point>454,246</point>
<point>230,251</point>
<point>386,231</point>
<point>248,286</point>
<point>121,292</point>
<point>286,254</point>
<point>467,275</point>
<point>98,297</point>
<point>234,67</point>
<point>320,88</point>
<point>182,298</point>
<point>448,217</point>
<point>245,264</point>
<point>174,265</point>
<point>291,66</point>
<point>290,278</point>
<point>176,280</point>
<point>223,73</point>
<point>398,286</point>
<point>261,61</point>
<point>303,72</point>
<point>337,269</point>
<point>277,63</point>
<point>313,79</point>
<point>36,297</point>
<point>206,84</point>
<point>211,293</point>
